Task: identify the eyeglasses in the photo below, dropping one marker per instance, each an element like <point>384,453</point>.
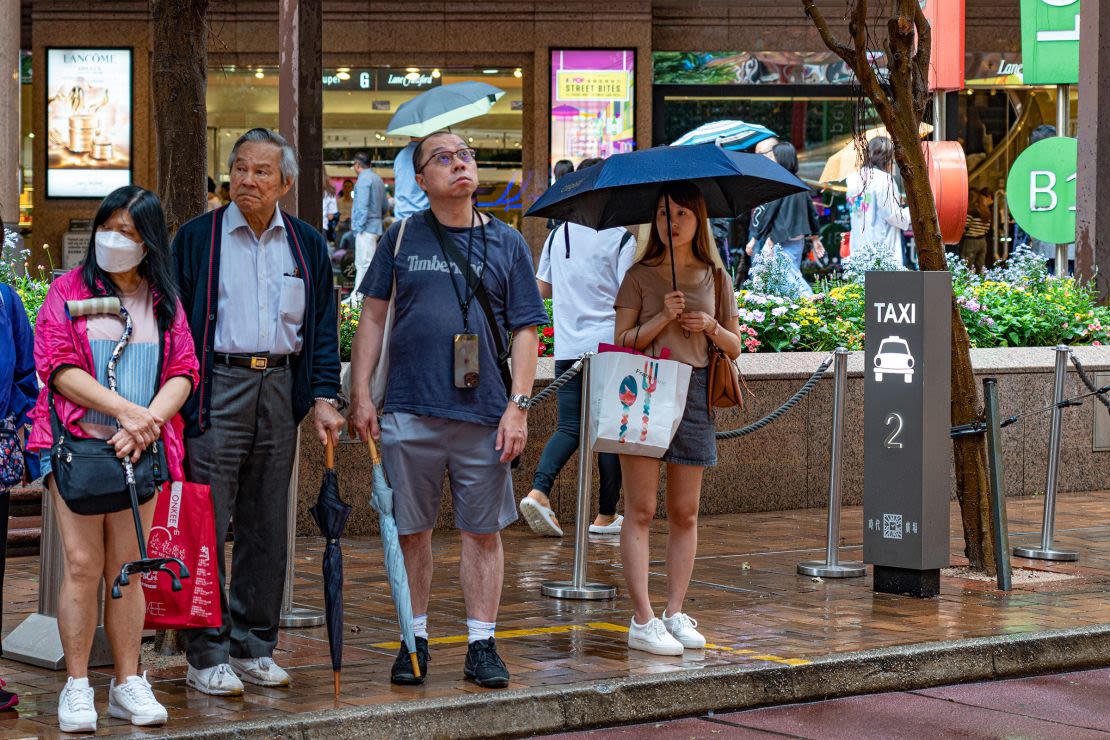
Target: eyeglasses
<point>444,159</point>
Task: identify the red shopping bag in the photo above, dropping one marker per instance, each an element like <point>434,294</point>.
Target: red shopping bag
<point>184,527</point>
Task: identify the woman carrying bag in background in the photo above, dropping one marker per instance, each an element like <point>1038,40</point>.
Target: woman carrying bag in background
<point>652,315</point>
<point>128,258</point>
<point>18,390</point>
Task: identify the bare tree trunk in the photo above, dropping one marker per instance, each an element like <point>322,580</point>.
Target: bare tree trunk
<point>900,102</point>
<point>179,73</point>
<point>179,77</point>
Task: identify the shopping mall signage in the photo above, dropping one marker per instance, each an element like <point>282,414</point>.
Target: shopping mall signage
<point>399,79</point>
<point>88,121</point>
<point>1050,41</point>
<point>1040,189</point>
<point>379,79</point>
<point>907,450</point>
<point>354,79</point>
<point>592,85</point>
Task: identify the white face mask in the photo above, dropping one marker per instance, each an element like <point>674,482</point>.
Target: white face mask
<point>116,253</point>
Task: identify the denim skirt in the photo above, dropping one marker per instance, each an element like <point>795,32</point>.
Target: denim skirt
<point>695,442</point>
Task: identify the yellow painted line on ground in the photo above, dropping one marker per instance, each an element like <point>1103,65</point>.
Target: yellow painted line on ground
<point>602,626</point>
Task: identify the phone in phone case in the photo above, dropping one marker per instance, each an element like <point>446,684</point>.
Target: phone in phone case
<point>466,360</point>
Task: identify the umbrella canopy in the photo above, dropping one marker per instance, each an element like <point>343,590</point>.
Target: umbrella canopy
<point>624,189</point>
<point>381,498</point>
<point>734,135</point>
<point>330,513</point>
<point>846,160</point>
<point>440,107</point>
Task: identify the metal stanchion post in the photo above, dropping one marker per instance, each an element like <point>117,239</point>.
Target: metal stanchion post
<point>293,616</point>
<point>997,481</point>
<point>1063,113</point>
<point>578,588</point>
<point>831,567</point>
<point>1048,527</point>
<point>36,640</point>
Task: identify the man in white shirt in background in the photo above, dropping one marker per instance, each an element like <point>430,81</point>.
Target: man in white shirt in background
<point>580,270</point>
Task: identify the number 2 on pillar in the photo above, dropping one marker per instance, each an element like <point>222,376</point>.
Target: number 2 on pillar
<point>895,420</point>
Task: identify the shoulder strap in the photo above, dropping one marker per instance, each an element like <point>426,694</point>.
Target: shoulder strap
<point>628,236</point>
<point>499,343</point>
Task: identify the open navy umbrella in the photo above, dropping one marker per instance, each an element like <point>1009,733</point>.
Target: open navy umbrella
<point>734,135</point>
<point>440,107</point>
<point>330,513</point>
<point>625,188</point>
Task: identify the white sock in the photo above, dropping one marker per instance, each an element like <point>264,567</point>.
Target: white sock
<point>476,630</point>
<point>80,683</point>
<point>420,626</point>
<point>637,624</point>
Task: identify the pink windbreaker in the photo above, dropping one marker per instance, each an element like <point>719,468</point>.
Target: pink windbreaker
<point>62,342</point>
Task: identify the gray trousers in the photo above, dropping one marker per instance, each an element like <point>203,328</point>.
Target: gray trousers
<point>246,457</point>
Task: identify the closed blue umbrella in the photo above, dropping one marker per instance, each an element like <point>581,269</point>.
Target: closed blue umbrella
<point>625,188</point>
<point>734,135</point>
<point>440,107</point>
<point>381,498</point>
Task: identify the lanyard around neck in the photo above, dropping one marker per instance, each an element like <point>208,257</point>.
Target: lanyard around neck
<point>464,298</point>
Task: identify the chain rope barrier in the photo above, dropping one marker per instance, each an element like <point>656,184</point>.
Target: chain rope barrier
<point>1082,373</point>
<point>556,384</point>
<point>790,403</point>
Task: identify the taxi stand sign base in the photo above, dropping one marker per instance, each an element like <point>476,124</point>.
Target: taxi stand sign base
<point>907,450</point>
<point>831,567</point>
<point>578,588</point>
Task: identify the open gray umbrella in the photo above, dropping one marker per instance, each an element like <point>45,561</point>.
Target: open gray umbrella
<point>440,107</point>
<point>381,498</point>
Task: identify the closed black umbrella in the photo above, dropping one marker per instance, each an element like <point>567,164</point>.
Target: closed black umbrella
<point>331,514</point>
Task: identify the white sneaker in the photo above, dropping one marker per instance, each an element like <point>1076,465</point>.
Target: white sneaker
<point>681,627</point>
<point>219,680</point>
<point>76,711</point>
<point>134,700</point>
<point>613,527</point>
<point>261,671</point>
<point>653,638</point>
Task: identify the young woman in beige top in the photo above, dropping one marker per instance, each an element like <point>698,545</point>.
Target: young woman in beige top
<point>652,315</point>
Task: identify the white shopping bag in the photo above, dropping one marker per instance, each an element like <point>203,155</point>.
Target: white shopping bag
<point>636,403</point>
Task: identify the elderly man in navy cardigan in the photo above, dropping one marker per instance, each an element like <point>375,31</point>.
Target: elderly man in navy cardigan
<point>257,285</point>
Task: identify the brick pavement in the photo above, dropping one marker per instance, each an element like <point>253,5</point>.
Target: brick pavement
<point>753,608</point>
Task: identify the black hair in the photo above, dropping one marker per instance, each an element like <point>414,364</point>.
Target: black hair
<point>211,185</point>
<point>587,162</point>
<point>363,159</point>
<point>418,152</point>
<point>786,155</point>
<point>562,167</point>
<point>150,222</point>
<point>1044,131</point>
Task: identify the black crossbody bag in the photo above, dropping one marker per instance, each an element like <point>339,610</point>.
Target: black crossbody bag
<point>90,478</point>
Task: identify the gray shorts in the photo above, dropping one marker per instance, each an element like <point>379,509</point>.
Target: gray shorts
<point>416,450</point>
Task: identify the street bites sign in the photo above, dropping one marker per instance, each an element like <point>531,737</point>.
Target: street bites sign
<point>593,85</point>
<point>88,121</point>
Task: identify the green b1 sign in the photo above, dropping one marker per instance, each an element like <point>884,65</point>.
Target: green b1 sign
<point>1050,42</point>
<point>1040,190</point>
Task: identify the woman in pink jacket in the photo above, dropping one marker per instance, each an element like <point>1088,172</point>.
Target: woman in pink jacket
<point>129,258</point>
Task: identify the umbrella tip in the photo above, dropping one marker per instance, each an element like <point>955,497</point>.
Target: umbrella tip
<point>415,665</point>
<point>335,677</point>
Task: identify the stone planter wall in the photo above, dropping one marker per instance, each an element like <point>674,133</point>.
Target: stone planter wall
<point>786,464</point>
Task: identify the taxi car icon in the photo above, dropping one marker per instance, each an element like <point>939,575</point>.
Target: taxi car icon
<point>893,358</point>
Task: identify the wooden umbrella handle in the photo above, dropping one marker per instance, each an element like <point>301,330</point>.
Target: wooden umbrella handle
<point>374,456</point>
<point>329,454</point>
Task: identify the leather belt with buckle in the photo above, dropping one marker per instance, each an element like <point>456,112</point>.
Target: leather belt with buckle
<point>254,362</point>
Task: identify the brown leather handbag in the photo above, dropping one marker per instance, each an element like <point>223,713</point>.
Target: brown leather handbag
<point>724,375</point>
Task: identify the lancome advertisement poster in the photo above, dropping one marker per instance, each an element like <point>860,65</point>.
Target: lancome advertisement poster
<point>592,103</point>
<point>88,122</point>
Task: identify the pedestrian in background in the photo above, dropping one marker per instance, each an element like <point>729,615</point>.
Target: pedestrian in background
<point>128,257</point>
<point>18,391</point>
<point>582,289</point>
<point>257,288</point>
<point>214,201</point>
<point>561,169</point>
<point>448,404</point>
<point>973,246</point>
<point>369,209</point>
<point>650,314</point>
<point>874,204</point>
<point>329,209</point>
<point>408,197</point>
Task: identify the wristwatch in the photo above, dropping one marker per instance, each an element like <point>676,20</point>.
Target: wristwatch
<point>339,403</point>
<point>521,401</point>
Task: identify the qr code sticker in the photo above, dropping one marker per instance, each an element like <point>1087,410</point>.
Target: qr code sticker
<point>892,526</point>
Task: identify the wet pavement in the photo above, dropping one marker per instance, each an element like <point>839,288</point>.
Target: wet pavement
<point>1066,705</point>
<point>752,607</point>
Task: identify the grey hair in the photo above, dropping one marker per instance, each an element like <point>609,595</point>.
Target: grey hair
<point>289,167</point>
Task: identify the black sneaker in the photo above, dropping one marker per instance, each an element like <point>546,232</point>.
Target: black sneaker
<point>484,665</point>
<point>402,667</point>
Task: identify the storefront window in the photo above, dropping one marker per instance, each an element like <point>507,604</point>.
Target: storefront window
<point>592,103</point>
